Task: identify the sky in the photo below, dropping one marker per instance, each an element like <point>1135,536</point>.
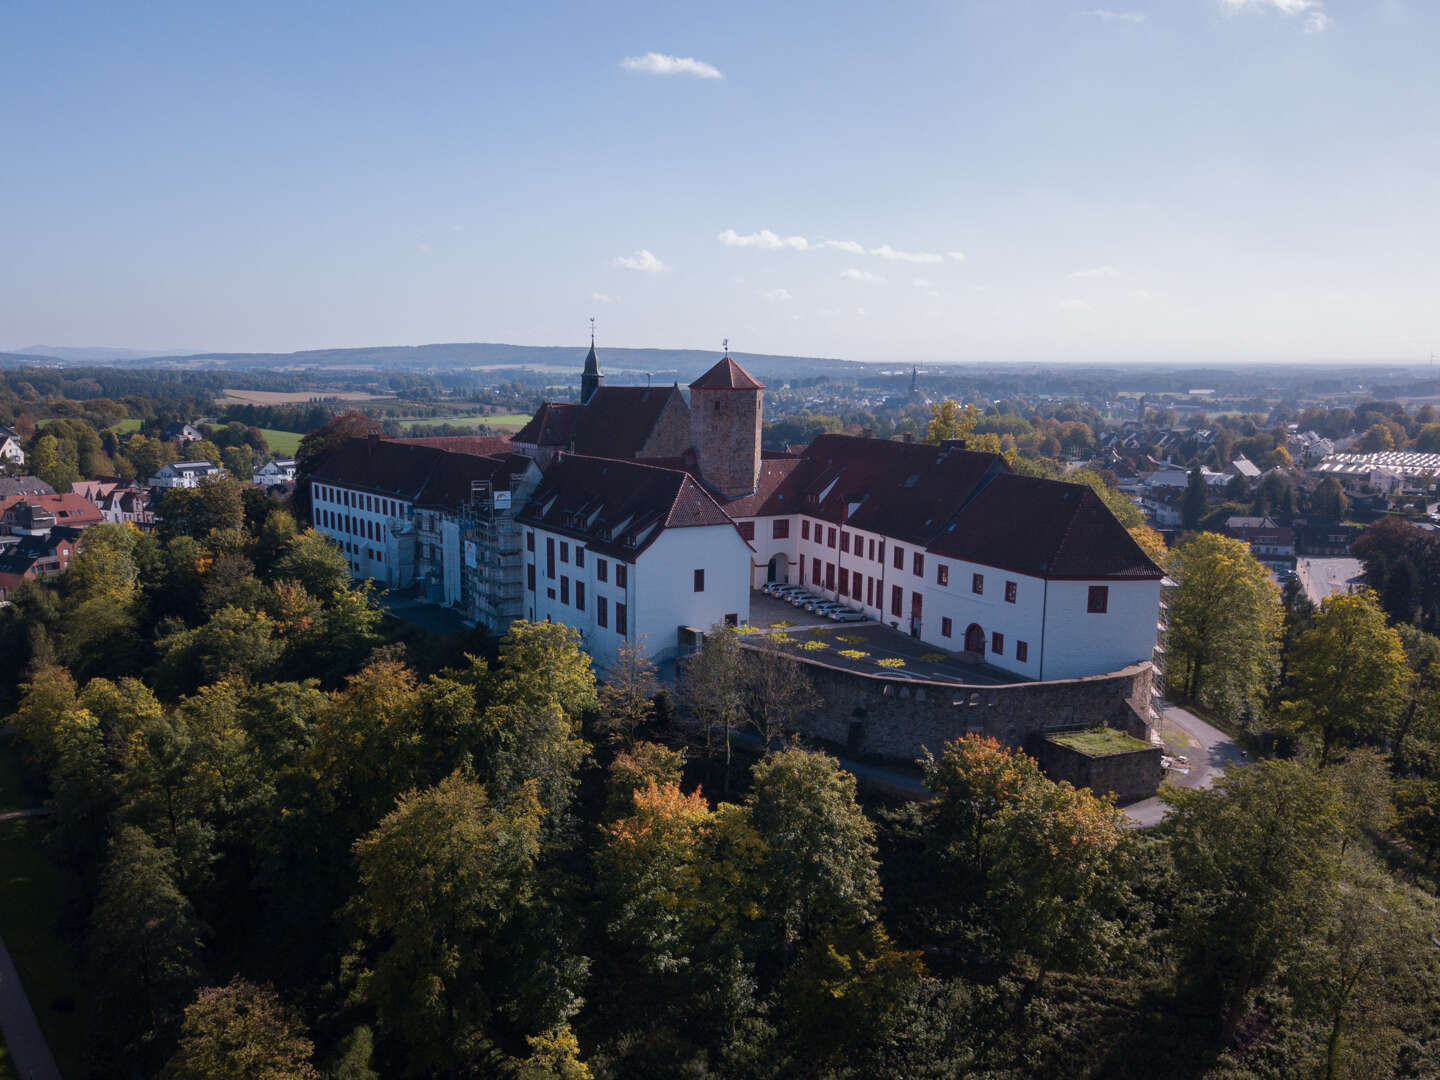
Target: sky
<point>959,181</point>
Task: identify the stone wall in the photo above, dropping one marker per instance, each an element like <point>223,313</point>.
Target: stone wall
<point>725,424</point>
<point>893,718</point>
<point>670,437</point>
<point>1130,776</point>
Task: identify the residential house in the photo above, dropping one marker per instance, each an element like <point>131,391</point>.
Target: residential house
<point>184,474</point>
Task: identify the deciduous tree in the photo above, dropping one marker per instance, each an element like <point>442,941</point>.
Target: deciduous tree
<point>241,1030</point>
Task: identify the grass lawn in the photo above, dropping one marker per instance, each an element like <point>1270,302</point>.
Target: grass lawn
<point>129,424</point>
<point>1099,742</point>
<point>284,443</point>
<point>33,891</point>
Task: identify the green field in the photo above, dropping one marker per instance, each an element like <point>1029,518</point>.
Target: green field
<point>33,891</point>
<point>498,421</point>
<point>128,425</point>
<point>283,443</point>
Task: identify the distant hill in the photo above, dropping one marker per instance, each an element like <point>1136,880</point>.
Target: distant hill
<point>94,354</point>
<point>682,364</point>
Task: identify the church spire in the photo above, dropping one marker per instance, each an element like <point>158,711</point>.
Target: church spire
<point>591,378</point>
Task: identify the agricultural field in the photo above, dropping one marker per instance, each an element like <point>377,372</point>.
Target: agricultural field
<point>282,443</point>
<point>498,421</point>
<point>298,397</point>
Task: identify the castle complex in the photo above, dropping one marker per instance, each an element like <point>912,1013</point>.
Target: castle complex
<point>638,515</point>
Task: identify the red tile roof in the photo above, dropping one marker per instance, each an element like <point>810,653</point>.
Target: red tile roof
<point>727,375</point>
<point>618,420</point>
<point>618,507</point>
<point>68,508</point>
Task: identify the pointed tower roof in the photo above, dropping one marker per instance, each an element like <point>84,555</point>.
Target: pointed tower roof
<point>727,375</point>
<point>592,363</point>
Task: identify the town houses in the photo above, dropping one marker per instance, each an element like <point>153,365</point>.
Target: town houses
<point>636,515</point>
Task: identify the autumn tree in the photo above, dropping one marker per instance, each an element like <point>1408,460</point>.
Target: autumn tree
<point>1328,501</point>
<point>315,446</point>
<point>951,420</point>
<point>1224,624</point>
<point>1348,674</point>
<point>241,1030</point>
<point>626,695</point>
<point>712,683</point>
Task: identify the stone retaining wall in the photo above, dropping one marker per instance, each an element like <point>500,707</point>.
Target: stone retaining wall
<point>1132,775</point>
<point>893,718</point>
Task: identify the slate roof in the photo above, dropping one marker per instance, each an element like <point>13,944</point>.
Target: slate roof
<point>552,425</point>
<point>486,445</point>
<point>414,473</point>
<point>727,375</point>
<point>1043,528</point>
<point>616,507</point>
<point>24,485</point>
<point>617,420</point>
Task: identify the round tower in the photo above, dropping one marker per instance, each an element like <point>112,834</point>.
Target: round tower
<point>725,416</point>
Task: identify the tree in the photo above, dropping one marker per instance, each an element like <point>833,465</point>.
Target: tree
<point>778,690</point>
<point>1258,862</point>
<point>442,880</point>
<point>144,942</point>
<point>1196,499</point>
<point>1377,437</point>
<point>1400,595</point>
<point>713,686</point>
<point>819,867</point>
<point>634,770</point>
<point>316,563</point>
<point>1328,500</point>
<point>239,462</point>
<point>1224,624</point>
<point>554,1055</point>
<point>241,1030</point>
<point>315,446</point>
<point>1348,674</point>
<point>626,696</point>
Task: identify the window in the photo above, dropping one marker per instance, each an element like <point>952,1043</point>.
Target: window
<point>699,580</point>
<point>549,595</point>
<point>780,529</point>
<point>947,628</point>
<point>899,558</point>
<point>844,581</point>
<point>804,529</point>
<point>1011,590</point>
<point>732,618</point>
<point>602,570</point>
<point>621,575</point>
<point>1099,599</point>
<point>880,552</point>
<point>830,538</point>
<point>814,571</point>
<point>977,584</point>
<point>747,530</point>
<point>942,574</point>
<point>844,542</point>
<point>830,576</point>
<point>564,551</point>
<point>580,596</point>
<point>530,576</point>
<point>919,564</point>
<point>550,556</point>
<point>897,599</point>
<point>870,592</point>
<point>620,619</point>
<point>1022,651</point>
<point>855,589</point>
<point>872,549</point>
<point>564,589</point>
<point>579,555</point>
<point>997,643</point>
<point>602,611</point>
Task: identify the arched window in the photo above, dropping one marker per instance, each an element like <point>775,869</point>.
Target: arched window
<point>975,639</point>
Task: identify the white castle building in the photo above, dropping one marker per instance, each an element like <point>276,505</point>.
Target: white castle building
<point>637,515</point>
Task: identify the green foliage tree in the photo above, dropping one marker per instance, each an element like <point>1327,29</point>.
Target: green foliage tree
<point>1258,864</point>
<point>241,1030</point>
<point>1225,620</point>
<point>627,695</point>
<point>1195,500</point>
<point>951,420</point>
<point>1328,501</point>
<point>239,462</point>
<point>1348,675</point>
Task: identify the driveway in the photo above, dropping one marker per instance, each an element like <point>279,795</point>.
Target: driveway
<point>1207,749</point>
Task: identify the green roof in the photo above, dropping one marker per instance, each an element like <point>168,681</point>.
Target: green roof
<point>1099,742</point>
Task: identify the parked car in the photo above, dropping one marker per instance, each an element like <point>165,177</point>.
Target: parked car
<point>823,606</point>
<point>802,598</point>
<point>849,614</point>
<point>782,590</point>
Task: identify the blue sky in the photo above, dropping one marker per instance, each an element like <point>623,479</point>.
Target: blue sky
<point>1175,180</point>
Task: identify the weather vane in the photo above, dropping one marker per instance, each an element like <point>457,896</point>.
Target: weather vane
<point>726,346</point>
<point>592,329</point>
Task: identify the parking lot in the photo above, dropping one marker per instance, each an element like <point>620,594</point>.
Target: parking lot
<point>814,637</point>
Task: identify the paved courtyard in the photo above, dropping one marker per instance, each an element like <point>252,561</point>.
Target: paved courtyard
<point>830,640</point>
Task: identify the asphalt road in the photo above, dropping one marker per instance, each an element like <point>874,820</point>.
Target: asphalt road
<point>1209,752</point>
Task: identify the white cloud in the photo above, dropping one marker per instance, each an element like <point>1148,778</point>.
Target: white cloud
<point>1097,272</point>
<point>778,296</point>
<point>958,256</point>
<point>845,245</point>
<point>765,240</point>
<point>424,249</point>
<point>1140,294</point>
<point>654,63</point>
<point>885,251</point>
<point>1071,304</point>
<point>1115,16</point>
<point>860,275</point>
<point>457,228</point>
<point>1317,22</point>
<point>644,261</point>
<point>602,298</point>
<point>860,311</point>
<point>1285,7</point>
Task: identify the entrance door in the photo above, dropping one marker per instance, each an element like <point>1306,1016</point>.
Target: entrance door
<point>778,570</point>
<point>975,639</point>
<point>916,600</point>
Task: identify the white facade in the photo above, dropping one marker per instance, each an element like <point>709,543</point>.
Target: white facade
<point>184,474</point>
<point>373,531</point>
<point>279,471</point>
<point>655,595</point>
<point>10,450</point>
